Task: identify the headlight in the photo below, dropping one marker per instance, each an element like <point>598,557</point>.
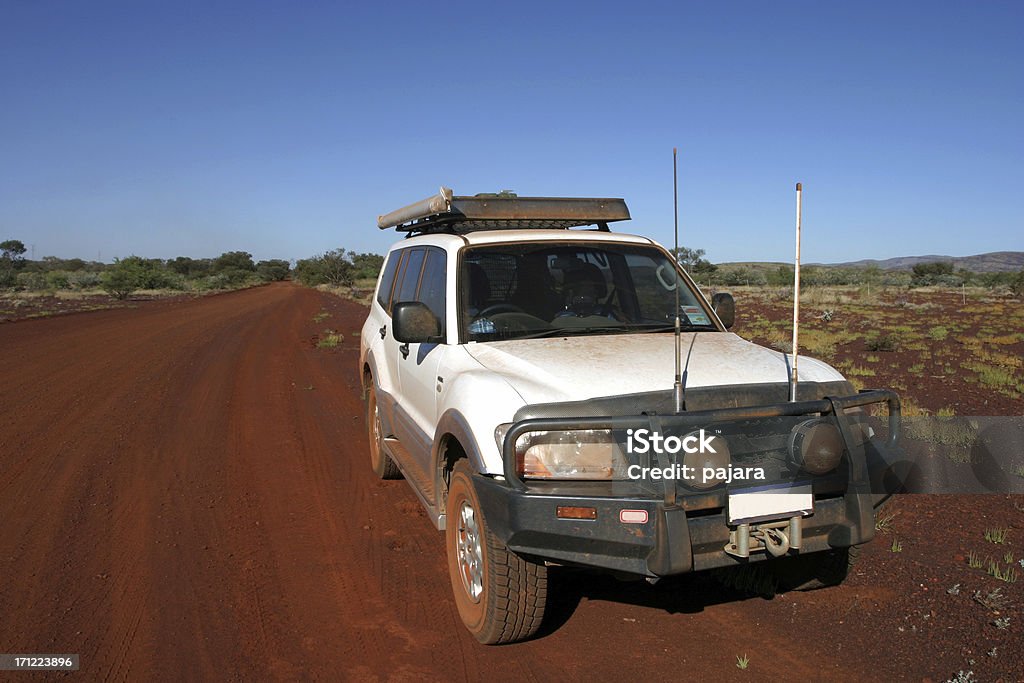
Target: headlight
<point>816,446</point>
<point>583,454</point>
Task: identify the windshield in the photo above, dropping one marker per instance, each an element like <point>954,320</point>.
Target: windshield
<point>517,291</point>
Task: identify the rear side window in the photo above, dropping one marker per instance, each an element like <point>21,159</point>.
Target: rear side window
<point>432,284</point>
<point>387,280</point>
<point>412,264</point>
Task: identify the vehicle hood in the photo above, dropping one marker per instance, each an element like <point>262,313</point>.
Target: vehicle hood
<point>580,367</point>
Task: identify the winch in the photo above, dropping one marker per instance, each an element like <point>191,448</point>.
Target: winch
<point>775,538</point>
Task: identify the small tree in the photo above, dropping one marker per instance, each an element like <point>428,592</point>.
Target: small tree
<point>12,250</point>
<point>1017,284</point>
<point>366,265</point>
<point>234,260</point>
<point>337,270</point>
<point>693,261</point>
<point>11,261</point>
<point>932,273</point>
<point>273,270</point>
<point>781,276</point>
<point>330,268</point>
<point>308,272</point>
<point>190,267</point>
<point>124,277</point>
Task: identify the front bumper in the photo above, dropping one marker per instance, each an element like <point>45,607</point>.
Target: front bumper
<point>683,531</point>
<point>673,540</point>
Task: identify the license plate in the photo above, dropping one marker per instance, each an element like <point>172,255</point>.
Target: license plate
<point>776,501</point>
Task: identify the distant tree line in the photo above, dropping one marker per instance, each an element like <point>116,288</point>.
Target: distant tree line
<point>230,270</point>
<point>342,268</point>
<point>338,267</point>
<point>940,273</point>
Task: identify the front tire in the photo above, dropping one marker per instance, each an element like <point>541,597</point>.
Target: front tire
<point>383,466</point>
<point>500,596</point>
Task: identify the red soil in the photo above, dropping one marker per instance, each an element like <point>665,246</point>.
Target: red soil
<point>185,494</point>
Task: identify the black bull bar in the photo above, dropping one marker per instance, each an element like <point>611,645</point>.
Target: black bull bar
<point>827,407</point>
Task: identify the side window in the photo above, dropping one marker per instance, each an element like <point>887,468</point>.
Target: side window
<point>412,265</point>
<point>387,280</point>
<point>432,284</point>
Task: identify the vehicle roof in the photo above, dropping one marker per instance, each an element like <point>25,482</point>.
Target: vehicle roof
<point>481,237</point>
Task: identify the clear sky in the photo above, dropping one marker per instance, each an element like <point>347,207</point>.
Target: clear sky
<point>285,128</point>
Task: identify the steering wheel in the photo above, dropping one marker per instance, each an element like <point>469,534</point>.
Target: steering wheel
<point>499,308</point>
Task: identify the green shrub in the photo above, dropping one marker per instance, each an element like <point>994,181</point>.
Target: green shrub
<point>32,281</point>
<point>1017,284</point>
<point>273,270</point>
<point>885,343</point>
<point>125,276</point>
<point>83,279</point>
<point>58,279</point>
<point>234,260</point>
<point>330,268</point>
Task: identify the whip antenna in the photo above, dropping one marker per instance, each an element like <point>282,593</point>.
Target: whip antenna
<point>796,296</point>
<point>678,386</point>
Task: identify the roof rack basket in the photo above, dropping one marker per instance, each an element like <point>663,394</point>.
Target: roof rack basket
<point>447,213</point>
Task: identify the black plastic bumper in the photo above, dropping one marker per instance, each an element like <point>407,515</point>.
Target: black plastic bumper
<point>673,540</point>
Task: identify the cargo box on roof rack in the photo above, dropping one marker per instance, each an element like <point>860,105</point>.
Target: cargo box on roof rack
<point>447,213</point>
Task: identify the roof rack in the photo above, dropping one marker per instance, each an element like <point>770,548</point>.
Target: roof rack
<point>447,213</point>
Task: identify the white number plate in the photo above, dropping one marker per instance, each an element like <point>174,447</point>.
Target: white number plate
<point>763,503</point>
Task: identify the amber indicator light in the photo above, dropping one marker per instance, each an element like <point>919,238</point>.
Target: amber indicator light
<point>568,512</point>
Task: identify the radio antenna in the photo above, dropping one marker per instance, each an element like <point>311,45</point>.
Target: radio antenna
<point>796,296</point>
<point>677,388</point>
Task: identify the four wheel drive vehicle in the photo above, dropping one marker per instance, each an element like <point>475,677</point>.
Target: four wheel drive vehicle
<point>520,374</point>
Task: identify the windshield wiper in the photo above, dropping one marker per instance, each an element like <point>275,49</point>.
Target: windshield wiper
<point>571,331</point>
<point>669,327</point>
<point>610,329</point>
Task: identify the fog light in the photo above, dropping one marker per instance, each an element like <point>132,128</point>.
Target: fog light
<point>713,459</point>
<point>816,446</point>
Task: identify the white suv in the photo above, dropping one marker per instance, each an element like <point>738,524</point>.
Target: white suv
<point>520,374</point>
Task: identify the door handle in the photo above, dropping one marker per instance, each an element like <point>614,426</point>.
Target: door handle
<point>404,348</point>
<point>383,331</point>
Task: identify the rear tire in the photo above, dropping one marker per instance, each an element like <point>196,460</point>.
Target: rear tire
<point>500,596</point>
<point>383,466</point>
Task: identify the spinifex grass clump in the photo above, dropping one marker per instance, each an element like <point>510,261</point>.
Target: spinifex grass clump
<point>886,343</point>
<point>330,340</point>
<point>996,535</point>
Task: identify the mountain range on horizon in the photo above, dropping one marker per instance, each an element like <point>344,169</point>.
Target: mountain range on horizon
<point>990,262</point>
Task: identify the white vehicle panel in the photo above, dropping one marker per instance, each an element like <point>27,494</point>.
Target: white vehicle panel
<point>582,367</point>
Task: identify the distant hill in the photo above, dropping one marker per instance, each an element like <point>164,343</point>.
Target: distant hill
<point>992,262</point>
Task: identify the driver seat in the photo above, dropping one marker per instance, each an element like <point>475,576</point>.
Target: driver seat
<point>584,289</point>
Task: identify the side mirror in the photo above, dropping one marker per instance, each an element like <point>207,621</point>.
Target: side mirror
<point>725,308</point>
<point>413,323</point>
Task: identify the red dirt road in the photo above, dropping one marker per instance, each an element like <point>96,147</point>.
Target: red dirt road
<point>185,494</point>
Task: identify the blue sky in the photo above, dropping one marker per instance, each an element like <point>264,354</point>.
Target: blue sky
<point>284,129</point>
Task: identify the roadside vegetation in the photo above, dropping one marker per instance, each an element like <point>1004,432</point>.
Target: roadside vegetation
<point>50,284</point>
<point>127,275</point>
<point>348,274</point>
<point>932,274</point>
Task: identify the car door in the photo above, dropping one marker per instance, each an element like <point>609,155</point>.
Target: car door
<point>380,341</point>
<point>406,285</point>
<point>417,370</point>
